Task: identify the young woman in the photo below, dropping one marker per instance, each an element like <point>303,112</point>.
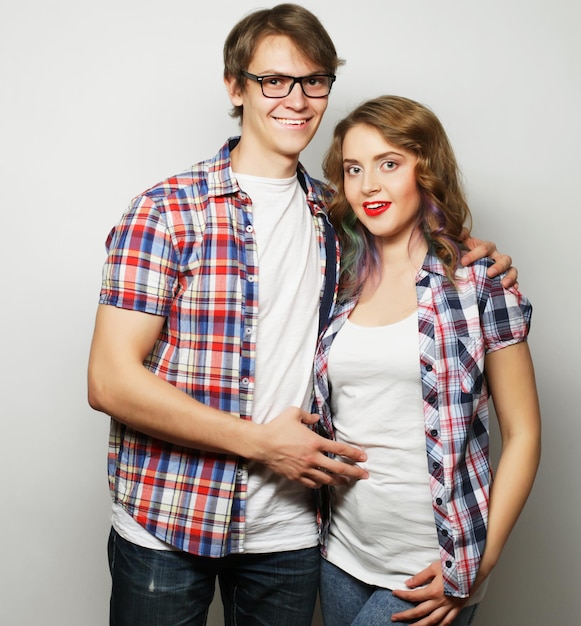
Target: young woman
<point>404,371</point>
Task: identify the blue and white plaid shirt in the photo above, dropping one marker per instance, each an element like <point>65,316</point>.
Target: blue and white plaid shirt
<point>458,326</point>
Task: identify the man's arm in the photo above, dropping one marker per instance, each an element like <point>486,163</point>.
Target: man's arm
<point>119,385</point>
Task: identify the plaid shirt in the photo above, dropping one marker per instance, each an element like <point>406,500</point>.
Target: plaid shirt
<point>457,328</point>
<point>186,250</point>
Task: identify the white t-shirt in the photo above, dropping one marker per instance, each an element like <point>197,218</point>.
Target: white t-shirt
<point>280,513</point>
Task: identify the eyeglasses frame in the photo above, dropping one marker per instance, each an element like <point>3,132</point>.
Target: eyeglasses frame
<point>295,80</point>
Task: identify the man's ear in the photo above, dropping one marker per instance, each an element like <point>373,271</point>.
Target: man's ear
<point>234,91</point>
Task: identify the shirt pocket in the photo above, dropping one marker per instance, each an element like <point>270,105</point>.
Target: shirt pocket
<point>471,364</point>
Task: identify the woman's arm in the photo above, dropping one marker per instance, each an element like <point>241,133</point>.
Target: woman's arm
<point>511,381</point>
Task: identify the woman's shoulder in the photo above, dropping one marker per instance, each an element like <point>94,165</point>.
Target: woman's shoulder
<point>477,274</point>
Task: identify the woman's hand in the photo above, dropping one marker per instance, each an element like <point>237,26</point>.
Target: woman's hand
<point>433,607</point>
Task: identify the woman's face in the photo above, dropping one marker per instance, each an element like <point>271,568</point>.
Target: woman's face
<point>380,183</point>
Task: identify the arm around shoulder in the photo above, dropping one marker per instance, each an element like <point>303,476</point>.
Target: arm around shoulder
<point>478,249</point>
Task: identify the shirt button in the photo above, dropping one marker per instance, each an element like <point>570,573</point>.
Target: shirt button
<point>239,473</point>
<point>250,278</point>
<point>439,501</point>
<point>432,399</point>
<point>448,563</point>
<point>429,368</point>
<point>436,465</point>
<point>249,228</point>
<point>245,381</point>
<point>434,433</point>
<point>445,532</point>
<point>248,331</point>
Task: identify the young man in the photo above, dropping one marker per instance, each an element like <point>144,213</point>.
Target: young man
<point>215,288</point>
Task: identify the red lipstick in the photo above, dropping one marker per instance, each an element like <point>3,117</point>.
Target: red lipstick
<point>375,208</point>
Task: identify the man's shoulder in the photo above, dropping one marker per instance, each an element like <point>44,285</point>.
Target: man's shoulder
<point>205,177</point>
<point>175,183</point>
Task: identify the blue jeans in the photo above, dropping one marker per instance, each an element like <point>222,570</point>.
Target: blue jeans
<point>168,588</point>
<point>346,601</point>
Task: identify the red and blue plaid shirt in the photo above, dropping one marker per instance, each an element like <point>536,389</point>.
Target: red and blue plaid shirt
<point>458,326</point>
<point>186,250</point>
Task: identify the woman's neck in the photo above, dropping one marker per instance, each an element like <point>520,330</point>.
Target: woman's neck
<point>401,254</point>
<point>389,295</point>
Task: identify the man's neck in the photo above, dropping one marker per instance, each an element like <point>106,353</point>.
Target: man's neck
<point>246,160</point>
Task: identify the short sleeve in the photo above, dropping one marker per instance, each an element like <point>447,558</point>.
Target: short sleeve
<point>506,316</point>
<point>140,272</point>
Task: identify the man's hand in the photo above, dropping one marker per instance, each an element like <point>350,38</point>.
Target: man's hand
<point>433,607</point>
<point>287,447</point>
<point>502,262</point>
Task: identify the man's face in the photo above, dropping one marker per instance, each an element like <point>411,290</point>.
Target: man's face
<point>275,130</point>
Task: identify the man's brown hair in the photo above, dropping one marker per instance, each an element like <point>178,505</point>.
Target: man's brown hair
<point>290,20</point>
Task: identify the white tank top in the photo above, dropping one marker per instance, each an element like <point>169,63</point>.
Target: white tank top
<point>279,513</point>
<point>383,528</point>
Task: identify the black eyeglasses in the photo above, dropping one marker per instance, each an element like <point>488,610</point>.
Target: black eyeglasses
<point>278,86</point>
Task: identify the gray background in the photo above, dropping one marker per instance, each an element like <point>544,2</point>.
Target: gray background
<point>100,100</point>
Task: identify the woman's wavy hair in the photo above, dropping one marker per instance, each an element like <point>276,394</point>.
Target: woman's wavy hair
<point>291,20</point>
<point>443,212</point>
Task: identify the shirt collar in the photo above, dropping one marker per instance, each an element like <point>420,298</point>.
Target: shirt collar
<point>433,265</point>
<point>221,180</point>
